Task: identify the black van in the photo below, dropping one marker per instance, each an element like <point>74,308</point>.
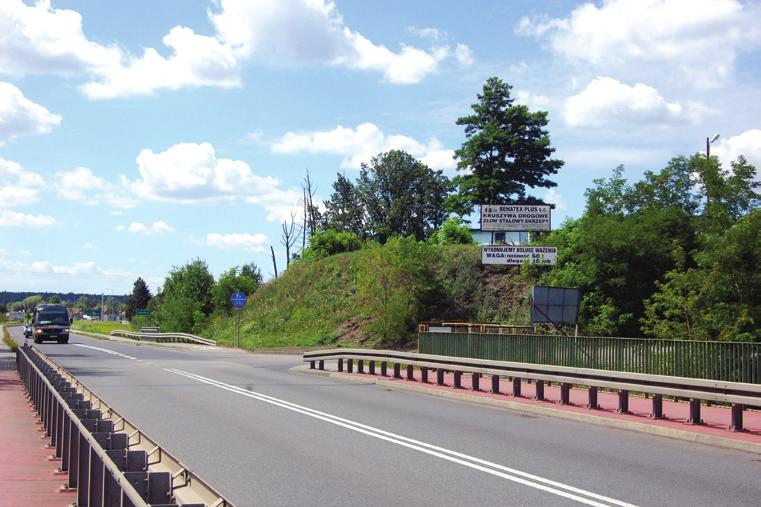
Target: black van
<point>51,322</point>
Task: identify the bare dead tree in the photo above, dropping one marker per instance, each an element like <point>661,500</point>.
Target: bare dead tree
<point>274,262</point>
<point>304,223</point>
<point>311,211</point>
<point>290,236</point>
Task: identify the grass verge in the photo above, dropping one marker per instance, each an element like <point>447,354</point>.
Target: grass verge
<point>99,327</point>
<point>7,338</point>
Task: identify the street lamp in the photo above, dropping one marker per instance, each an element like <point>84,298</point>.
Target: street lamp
<point>709,142</point>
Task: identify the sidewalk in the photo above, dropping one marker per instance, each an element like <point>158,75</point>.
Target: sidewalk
<point>27,473</point>
<point>714,430</point>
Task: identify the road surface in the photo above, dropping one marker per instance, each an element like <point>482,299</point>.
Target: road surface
<point>262,435</point>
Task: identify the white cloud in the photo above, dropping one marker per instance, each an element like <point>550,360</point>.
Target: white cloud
<point>158,227</point>
<point>747,144</point>
<point>87,246</point>
<point>552,196</point>
<point>83,186</point>
<point>20,116</point>
<point>358,145</point>
<point>18,186</point>
<point>74,269</point>
<point>238,241</point>
<point>533,101</point>
<point>696,38</point>
<point>195,60</point>
<point>264,30</point>
<point>10,218</point>
<point>464,54</point>
<point>606,100</point>
<point>428,33</point>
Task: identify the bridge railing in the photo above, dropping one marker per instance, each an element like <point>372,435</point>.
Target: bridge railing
<point>738,395</point>
<point>164,337</point>
<point>728,361</point>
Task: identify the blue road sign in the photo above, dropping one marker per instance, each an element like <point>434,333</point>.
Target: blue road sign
<point>238,299</point>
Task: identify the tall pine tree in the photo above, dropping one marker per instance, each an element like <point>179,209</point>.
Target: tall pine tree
<point>138,299</point>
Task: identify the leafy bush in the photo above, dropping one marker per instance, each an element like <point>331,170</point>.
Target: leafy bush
<point>452,232</point>
<point>330,242</point>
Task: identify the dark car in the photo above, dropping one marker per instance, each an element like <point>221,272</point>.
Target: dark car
<point>51,322</point>
<point>28,330</point>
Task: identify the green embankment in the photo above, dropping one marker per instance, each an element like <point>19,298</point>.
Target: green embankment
<point>7,337</point>
<point>94,326</point>
<point>320,303</point>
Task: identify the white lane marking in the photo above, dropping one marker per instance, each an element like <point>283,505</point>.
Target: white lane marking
<point>107,351</point>
<point>489,467</point>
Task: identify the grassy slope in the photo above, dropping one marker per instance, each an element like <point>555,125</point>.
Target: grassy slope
<point>98,327</point>
<point>304,307</point>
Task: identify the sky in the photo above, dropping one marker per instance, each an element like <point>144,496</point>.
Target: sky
<point>137,136</point>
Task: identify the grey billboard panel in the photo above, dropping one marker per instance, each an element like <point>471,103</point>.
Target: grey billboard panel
<point>559,305</point>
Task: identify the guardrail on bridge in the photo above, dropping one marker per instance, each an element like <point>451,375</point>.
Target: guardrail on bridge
<point>739,395</point>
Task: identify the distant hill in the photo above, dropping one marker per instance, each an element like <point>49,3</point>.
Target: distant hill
<point>12,297</point>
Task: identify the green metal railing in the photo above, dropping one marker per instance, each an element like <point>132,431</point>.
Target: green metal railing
<point>728,361</point>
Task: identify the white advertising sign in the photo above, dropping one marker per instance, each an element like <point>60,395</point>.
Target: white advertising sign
<point>515,217</point>
<point>516,255</point>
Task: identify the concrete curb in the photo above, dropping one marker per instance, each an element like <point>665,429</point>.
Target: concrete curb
<point>689,436</point>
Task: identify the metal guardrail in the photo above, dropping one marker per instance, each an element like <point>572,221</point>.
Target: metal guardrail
<point>109,462</point>
<point>164,337</point>
<point>727,361</point>
<point>739,395</point>
<point>475,327</point>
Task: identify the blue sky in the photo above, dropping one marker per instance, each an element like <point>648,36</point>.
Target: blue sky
<point>135,136</point>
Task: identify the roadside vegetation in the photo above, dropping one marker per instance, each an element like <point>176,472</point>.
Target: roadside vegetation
<point>9,342</point>
<point>94,326</point>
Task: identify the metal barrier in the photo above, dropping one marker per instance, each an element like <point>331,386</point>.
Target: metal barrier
<point>164,337</point>
<point>474,327</point>
<point>727,361</point>
<point>109,462</point>
<point>739,395</point>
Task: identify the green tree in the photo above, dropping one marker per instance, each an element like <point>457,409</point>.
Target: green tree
<point>452,232</point>
<point>139,298</point>
<point>55,298</point>
<point>32,302</point>
<point>186,300</point>
<point>401,196</point>
<point>343,211</point>
<point>330,242</point>
<point>234,280</point>
<point>507,149</point>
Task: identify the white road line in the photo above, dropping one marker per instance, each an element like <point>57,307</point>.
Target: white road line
<point>107,351</point>
<point>511,474</point>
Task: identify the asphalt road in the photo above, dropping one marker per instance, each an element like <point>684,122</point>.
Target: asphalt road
<point>262,435</point>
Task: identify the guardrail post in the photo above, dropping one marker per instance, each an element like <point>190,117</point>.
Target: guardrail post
<point>371,367</point>
<point>623,401</point>
<point>440,377</point>
<point>350,366</point>
<point>539,390</point>
<point>340,365</point>
<point>657,406</point>
<point>410,372</point>
<point>457,379</point>
<point>695,412</point>
<point>737,417</point>
<point>476,382</point>
<point>360,366</point>
<point>592,402</point>
<point>311,365</point>
<point>423,374</point>
<point>83,473</point>
<point>516,386</point>
<point>384,368</point>
<point>495,384</point>
<point>565,393</point>
<point>397,370</point>
<point>322,364</point>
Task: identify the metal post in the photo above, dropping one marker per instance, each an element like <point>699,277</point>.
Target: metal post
<point>457,379</point>
<point>623,402</point>
<point>495,384</point>
<point>695,412</point>
<point>360,366</point>
<point>657,406</point>
<point>410,372</point>
<point>397,370</point>
<point>384,368</point>
<point>350,366</point>
<point>440,377</point>
<point>341,364</point>
<point>737,417</point>
<point>423,374</point>
<point>476,382</point>
<point>592,403</point>
<point>238,332</point>
<point>539,390</point>
<point>371,367</point>
<point>516,386</point>
<point>322,364</point>
<point>311,365</point>
<point>565,393</point>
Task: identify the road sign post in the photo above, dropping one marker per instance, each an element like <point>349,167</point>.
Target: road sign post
<point>238,300</point>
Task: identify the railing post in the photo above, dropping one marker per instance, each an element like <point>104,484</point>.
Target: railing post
<point>322,364</point>
<point>350,366</point>
<point>457,379</point>
<point>592,402</point>
<point>423,374</point>
<point>397,370</point>
<point>410,372</point>
<point>340,365</point>
<point>439,376</point>
<point>311,365</point>
<point>657,406</point>
<point>371,367</point>
<point>695,412</point>
<point>623,402</point>
<point>476,381</point>
<point>495,384</point>
<point>737,417</point>
<point>360,366</point>
<point>384,368</point>
<point>565,393</point>
<point>516,387</point>
<point>539,390</point>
